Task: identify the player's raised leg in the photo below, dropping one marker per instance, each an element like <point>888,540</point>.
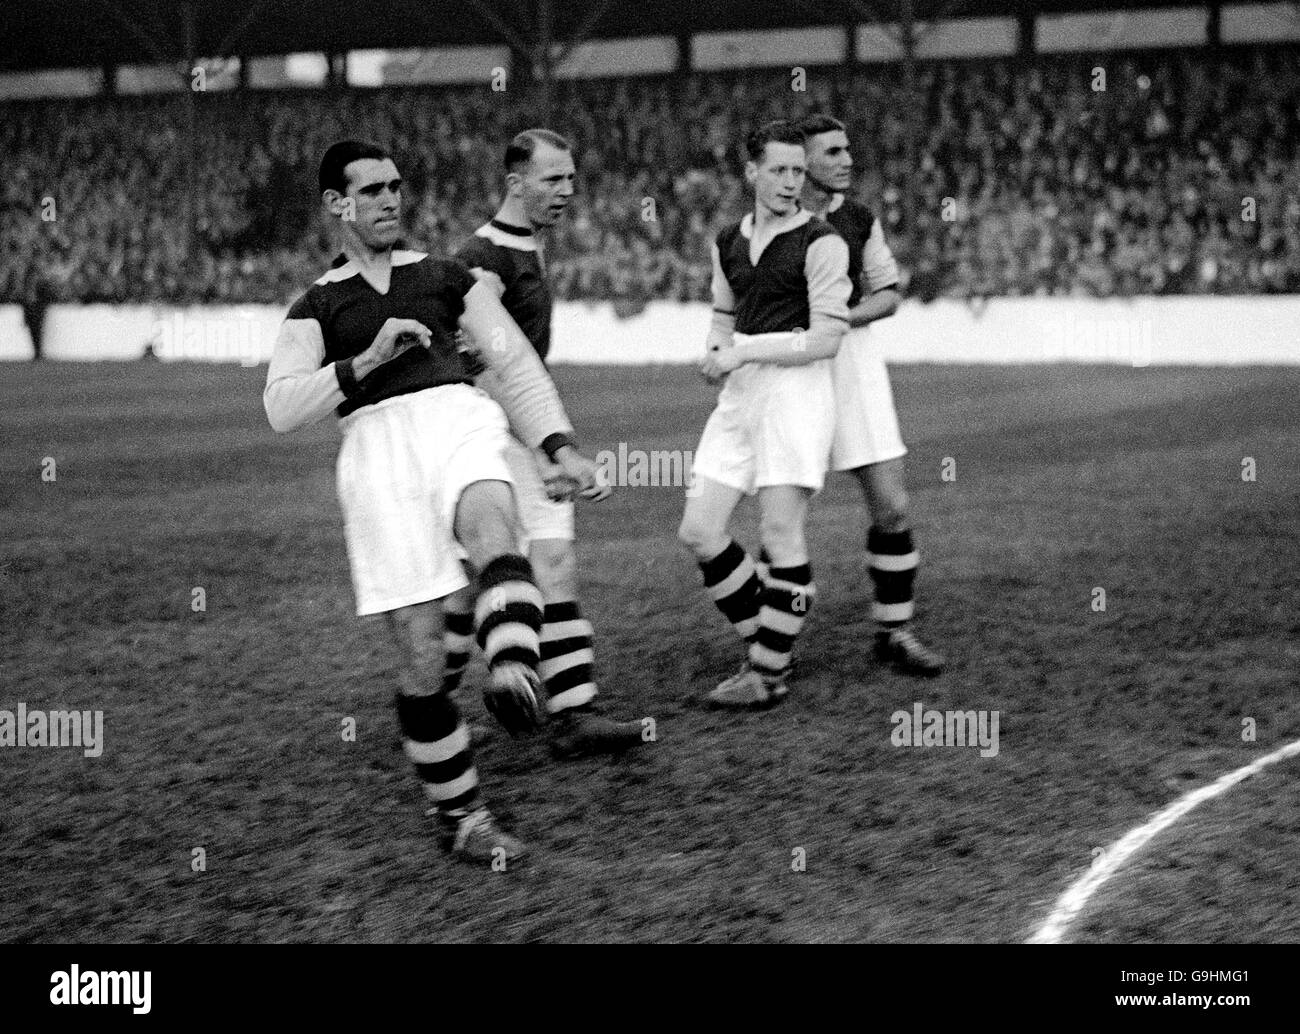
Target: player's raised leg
<point>410,577</point>
<point>421,459</point>
<point>508,607</point>
<point>506,253</point>
<point>892,561</point>
<point>437,741</point>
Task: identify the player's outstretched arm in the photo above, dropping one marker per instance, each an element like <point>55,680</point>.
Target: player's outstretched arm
<point>518,380</point>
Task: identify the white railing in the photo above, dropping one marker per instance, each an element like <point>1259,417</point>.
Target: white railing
<point>1200,331</point>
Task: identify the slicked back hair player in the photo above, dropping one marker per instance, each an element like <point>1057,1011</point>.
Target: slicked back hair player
<point>867,442</point>
<point>421,469</point>
<point>780,301</point>
<point>506,254</point>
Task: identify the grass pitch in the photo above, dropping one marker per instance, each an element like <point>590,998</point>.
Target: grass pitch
<point>223,727</point>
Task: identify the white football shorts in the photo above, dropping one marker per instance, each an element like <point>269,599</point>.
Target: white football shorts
<point>773,425</point>
<point>401,469</point>
<point>866,424</point>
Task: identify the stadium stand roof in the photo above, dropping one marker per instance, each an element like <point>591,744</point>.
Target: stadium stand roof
<point>92,33</point>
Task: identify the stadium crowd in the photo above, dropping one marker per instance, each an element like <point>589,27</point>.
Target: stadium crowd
<point>1182,175</point>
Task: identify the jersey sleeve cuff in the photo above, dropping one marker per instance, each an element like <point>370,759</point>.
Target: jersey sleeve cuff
<point>348,383</point>
<point>553,443</point>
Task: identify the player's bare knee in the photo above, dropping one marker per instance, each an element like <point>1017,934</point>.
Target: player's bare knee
<point>701,539</point>
<point>688,535</point>
<point>555,566</point>
<point>420,648</point>
<point>865,479</point>
<point>462,600</point>
<point>782,536</point>
<point>485,544</point>
<point>425,679</point>
<point>485,522</point>
<point>890,512</point>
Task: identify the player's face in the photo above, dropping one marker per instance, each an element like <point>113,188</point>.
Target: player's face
<point>546,184</point>
<point>829,161</point>
<point>375,191</point>
<point>778,177</point>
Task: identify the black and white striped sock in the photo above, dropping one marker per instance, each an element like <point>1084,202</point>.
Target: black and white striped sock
<point>508,612</point>
<point>786,600</point>
<point>892,561</point>
<point>732,582</point>
<point>437,741</point>
<point>457,641</point>
<point>567,657</point>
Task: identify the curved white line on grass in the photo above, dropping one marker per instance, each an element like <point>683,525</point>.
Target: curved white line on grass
<point>1073,900</point>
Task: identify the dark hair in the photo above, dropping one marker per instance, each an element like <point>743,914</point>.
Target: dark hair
<point>519,152</point>
<point>781,131</point>
<point>817,122</point>
<point>333,167</point>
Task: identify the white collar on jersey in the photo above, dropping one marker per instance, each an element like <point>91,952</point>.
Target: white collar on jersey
<point>518,241</point>
<point>773,231</point>
<point>351,269</point>
<point>774,228</point>
<point>837,202</point>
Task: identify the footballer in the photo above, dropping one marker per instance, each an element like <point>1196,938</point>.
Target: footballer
<point>507,255</point>
<point>421,473</point>
<point>867,440</point>
<point>780,306</point>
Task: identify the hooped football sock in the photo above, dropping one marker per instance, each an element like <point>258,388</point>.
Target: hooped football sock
<point>567,657</point>
<point>892,561</point>
<point>787,598</point>
<point>732,582</point>
<point>437,742</point>
<point>457,641</point>
<point>508,612</point>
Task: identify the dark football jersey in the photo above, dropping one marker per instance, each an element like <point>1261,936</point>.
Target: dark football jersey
<point>350,314</point>
<point>511,252</point>
<point>772,295</point>
<point>867,249</point>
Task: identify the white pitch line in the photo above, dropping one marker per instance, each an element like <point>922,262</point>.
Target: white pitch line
<point>1073,900</point>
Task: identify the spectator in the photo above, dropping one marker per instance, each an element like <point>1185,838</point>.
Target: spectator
<point>1028,181</point>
